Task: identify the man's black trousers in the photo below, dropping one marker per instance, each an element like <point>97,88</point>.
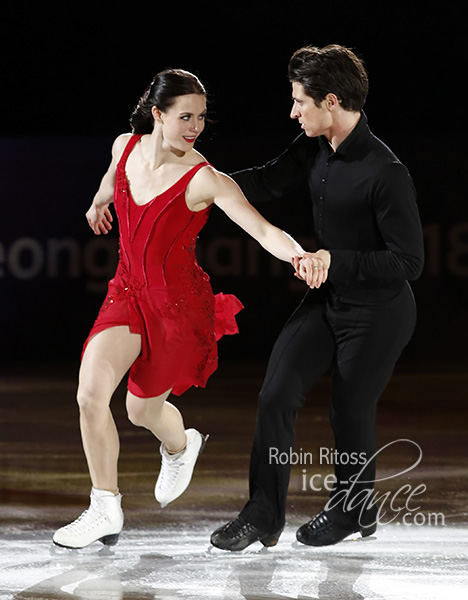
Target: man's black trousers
<point>361,343</point>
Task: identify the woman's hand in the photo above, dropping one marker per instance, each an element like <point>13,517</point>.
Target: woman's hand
<point>312,267</point>
<point>99,219</point>
<point>99,216</point>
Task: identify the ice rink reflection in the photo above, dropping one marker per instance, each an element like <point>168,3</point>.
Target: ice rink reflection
<point>173,563</point>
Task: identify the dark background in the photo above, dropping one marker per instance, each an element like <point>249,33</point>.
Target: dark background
<point>71,75</point>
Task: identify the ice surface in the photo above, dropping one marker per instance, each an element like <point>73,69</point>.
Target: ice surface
<point>168,563</point>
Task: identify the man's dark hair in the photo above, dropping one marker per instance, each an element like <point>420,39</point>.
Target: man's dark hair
<point>333,69</point>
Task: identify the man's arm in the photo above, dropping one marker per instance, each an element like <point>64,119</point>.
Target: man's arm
<point>281,175</point>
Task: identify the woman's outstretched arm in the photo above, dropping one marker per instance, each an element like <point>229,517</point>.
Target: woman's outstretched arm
<point>210,186</point>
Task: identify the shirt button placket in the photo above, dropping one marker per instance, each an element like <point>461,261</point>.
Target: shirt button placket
<point>321,197</point>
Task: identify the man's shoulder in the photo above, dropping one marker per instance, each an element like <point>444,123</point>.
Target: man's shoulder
<point>380,150</point>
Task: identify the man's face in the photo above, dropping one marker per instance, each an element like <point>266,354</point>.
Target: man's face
<point>315,120</point>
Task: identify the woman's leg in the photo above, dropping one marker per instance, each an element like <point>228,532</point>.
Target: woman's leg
<point>179,448</point>
<point>107,358</point>
<point>162,418</point>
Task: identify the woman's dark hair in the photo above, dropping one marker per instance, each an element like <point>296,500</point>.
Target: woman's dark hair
<point>332,69</point>
<point>162,92</point>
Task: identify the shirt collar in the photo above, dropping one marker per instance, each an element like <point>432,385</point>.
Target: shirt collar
<point>351,141</point>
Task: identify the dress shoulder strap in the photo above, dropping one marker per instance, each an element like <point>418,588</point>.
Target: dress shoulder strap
<point>128,148</point>
<point>191,172</point>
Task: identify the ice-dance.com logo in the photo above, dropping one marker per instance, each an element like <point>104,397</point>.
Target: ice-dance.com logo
<point>399,506</point>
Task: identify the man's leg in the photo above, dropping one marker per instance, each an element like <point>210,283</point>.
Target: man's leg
<point>302,353</point>
<point>370,340</point>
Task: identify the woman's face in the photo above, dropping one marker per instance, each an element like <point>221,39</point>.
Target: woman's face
<point>183,122</point>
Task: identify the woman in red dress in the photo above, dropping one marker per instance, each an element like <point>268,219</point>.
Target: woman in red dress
<point>160,320</point>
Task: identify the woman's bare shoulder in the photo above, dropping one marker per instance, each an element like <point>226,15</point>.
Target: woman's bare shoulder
<point>119,144</point>
<point>210,173</point>
<point>209,182</point>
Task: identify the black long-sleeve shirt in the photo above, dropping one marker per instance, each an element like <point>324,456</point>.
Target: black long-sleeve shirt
<point>364,207</point>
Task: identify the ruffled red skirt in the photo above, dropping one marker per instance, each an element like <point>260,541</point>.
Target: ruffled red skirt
<point>179,330</point>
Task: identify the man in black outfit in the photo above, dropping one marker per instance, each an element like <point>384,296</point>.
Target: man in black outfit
<point>369,233</point>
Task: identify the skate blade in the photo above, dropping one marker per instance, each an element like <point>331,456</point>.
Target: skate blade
<point>107,540</point>
<point>204,440</point>
<point>110,540</point>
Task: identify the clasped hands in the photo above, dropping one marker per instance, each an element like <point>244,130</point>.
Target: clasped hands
<point>312,267</point>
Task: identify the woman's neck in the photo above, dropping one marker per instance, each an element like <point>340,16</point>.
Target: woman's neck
<point>155,151</point>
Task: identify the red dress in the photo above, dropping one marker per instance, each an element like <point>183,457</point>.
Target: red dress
<point>161,292</point>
